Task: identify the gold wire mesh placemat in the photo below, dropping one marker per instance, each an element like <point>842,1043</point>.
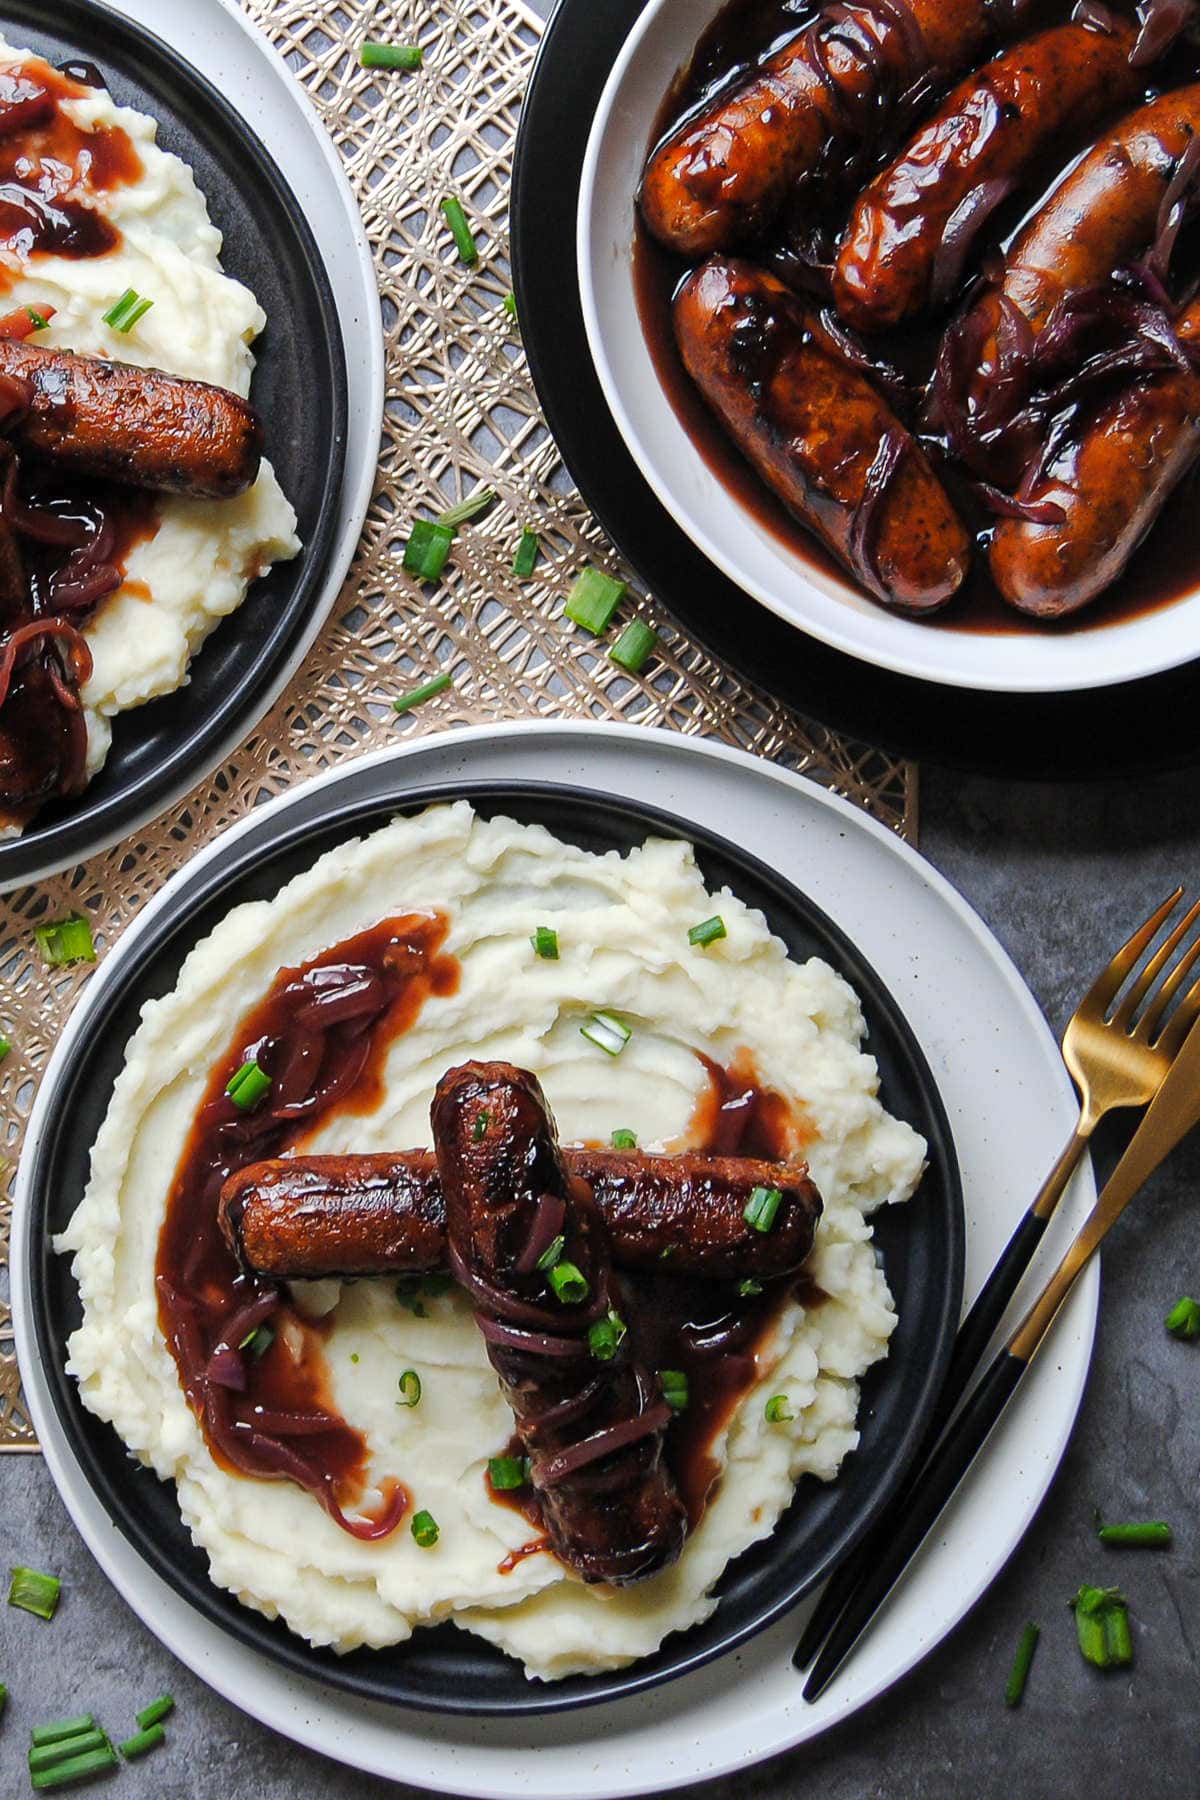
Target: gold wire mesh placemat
<point>460,412</point>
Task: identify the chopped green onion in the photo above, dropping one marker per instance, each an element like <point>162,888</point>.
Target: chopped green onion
<point>354,1356</point>
<point>149,1739</point>
<point>249,1086</point>
<point>506,1472</point>
<point>569,1283</point>
<point>427,548</point>
<point>593,600</point>
<point>604,1337</point>
<point>708,931</point>
<point>66,941</point>
<point>551,1255</point>
<point>1021,1662</point>
<point>464,237</point>
<point>746,1288</point>
<point>3,1698</point>
<point>391,56</point>
<point>77,1768</point>
<point>634,647</point>
<point>666,1253</point>
<point>607,1032</point>
<point>1102,1627</point>
<point>34,1592</point>
<point>545,943</point>
<point>425,1529</point>
<point>409,1289</point>
<point>124,314</point>
<point>49,1756</point>
<point>38,320</point>
<point>1150,1532</point>
<point>624,1139</point>
<point>467,509</point>
<point>479,1129</point>
<point>410,1389</point>
<point>258,1342</point>
<point>1183,1320</point>
<point>5,1047</point>
<point>674,1384</point>
<point>418,695</point>
<point>510,305</point>
<point>777,1411</point>
<point>525,561</point>
<point>436,1283</point>
<point>58,1729</point>
<point>761,1207</point>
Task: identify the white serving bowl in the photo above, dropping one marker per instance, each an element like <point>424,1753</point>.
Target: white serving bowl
<point>1032,660</point>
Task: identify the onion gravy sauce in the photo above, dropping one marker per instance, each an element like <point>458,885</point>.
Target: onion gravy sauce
<point>49,165</point>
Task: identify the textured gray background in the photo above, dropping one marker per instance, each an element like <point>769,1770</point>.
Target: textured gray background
<point>1057,872</point>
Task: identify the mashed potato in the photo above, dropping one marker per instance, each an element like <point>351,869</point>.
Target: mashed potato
<point>622,923</point>
<point>197,567</point>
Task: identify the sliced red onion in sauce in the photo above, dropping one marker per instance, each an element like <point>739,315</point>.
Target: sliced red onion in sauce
<point>547,1223</point>
<point>549,1470</point>
<point>530,1343</point>
<point>962,228</point>
<point>227,1369</point>
<point>862,546</point>
<point>1095,16</point>
<point>1008,506</point>
<point>1161,23</point>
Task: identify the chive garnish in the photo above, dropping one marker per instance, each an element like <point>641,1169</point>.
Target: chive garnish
<point>525,561</point>
<point>436,1283</point>
<point>58,1729</point>
<point>1021,1661</point>
<point>674,1384</point>
<point>34,1592</point>
<point>623,1139</point>
<point>464,238</point>
<point>1149,1532</point>
<point>141,1741</point>
<point>604,1337</point>
<point>5,1047</point>
<point>77,1768</point>
<point>551,1255</point>
<point>633,649</point>
<point>746,1288</point>
<point>545,943</point>
<point>391,56</point>
<point>507,1472</point>
<point>467,509</point>
<point>410,1389</point>
<point>480,1128</point>
<point>66,941</point>
<point>570,1284</point>
<point>38,320</point>
<point>49,1756</point>
<point>249,1087</point>
<point>3,1698</point>
<point>425,1529</point>
<point>777,1411</point>
<point>761,1208</point>
<point>427,548</point>
<point>708,931</point>
<point>1183,1320</point>
<point>593,600</point>
<point>607,1032</point>
<point>510,305</point>
<point>418,695</point>
<point>1102,1627</point>
<point>258,1341</point>
<point>124,314</point>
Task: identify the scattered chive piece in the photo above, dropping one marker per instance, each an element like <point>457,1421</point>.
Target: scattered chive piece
<point>545,942</point>
<point>748,1287</point>
<point>464,237</point>
<point>427,548</point>
<point>425,1529</point>
<point>570,1284</point>
<point>38,320</point>
<point>49,1756</point>
<point>551,1255</point>
<point>58,1729</point>
<point>410,1389</point>
<point>708,931</point>
<point>258,1342</point>
<point>777,1411</point>
<point>77,1768</point>
<point>34,1592</point>
<point>480,1128</point>
<point>124,314</point>
<point>249,1086</point>
<point>5,1047</point>
<point>604,1337</point>
<point>507,1472</point>
<point>1183,1320</point>
<point>1151,1531</point>
<point>1021,1661</point>
<point>666,1253</point>
<point>419,695</point>
<point>607,1032</point>
<point>624,1139</point>
<point>436,1283</point>
<point>674,1383</point>
<point>761,1207</point>
<point>1102,1627</point>
<point>149,1739</point>
<point>3,1698</point>
<point>593,600</point>
<point>525,561</point>
<point>354,1356</point>
<point>391,56</point>
<point>467,509</point>
<point>510,305</point>
<point>66,941</point>
<point>634,647</point>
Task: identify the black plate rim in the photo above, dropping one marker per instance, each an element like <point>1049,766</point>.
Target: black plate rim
<point>219,877</point>
<point>87,829</point>
<point>1064,736</point>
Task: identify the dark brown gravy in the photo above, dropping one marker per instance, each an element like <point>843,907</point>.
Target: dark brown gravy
<point>48,165</point>
<point>1165,568</point>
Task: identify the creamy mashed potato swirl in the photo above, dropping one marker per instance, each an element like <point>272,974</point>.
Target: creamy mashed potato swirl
<point>622,923</point>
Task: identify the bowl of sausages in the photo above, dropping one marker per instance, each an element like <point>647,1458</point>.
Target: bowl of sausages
<point>894,305</point>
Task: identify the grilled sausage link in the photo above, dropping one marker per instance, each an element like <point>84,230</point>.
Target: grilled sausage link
<point>720,177</point>
<point>897,258</point>
<point>1111,483</point>
<point>139,426</point>
<point>593,1430</point>
<point>301,1218</point>
<point>817,433</point>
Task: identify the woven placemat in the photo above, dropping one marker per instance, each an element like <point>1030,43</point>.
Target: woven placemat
<point>461,412</point>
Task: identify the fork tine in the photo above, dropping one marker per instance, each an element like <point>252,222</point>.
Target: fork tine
<point>1176,1027</point>
<point>1111,979</point>
<point>1123,1016</point>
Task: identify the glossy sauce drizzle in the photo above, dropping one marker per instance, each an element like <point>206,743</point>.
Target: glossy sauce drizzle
<point>49,165</point>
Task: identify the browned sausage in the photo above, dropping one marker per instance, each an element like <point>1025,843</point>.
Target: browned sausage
<point>1111,483</point>
<point>300,1218</point>
<point>107,419</point>
<point>909,233</point>
<point>721,176</point>
<point>819,435</point>
<point>592,1429</point>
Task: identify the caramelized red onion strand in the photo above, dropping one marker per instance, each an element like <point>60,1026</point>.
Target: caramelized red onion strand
<point>531,1343</point>
<point>552,1469</point>
<point>962,228</point>
<point>1162,21</point>
<point>547,1223</point>
<point>863,544</point>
